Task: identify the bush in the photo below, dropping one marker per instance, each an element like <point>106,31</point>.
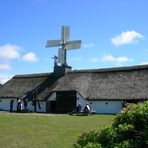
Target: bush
<point>129,130</point>
<point>86,138</point>
<point>105,137</point>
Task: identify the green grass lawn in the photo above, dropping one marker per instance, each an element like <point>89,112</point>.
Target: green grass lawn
<point>42,131</point>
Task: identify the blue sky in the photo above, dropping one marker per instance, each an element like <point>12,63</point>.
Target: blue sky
<point>113,33</point>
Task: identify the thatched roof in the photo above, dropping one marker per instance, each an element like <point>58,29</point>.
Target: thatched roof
<point>21,86</point>
<point>112,83</point>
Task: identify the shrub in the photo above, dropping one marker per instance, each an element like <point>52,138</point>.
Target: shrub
<point>105,137</point>
<point>129,130</point>
<point>124,144</point>
<point>85,138</point>
<point>92,145</point>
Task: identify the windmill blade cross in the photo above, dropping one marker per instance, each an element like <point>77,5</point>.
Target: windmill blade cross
<point>65,34</point>
<point>73,44</point>
<point>53,43</point>
<point>65,45</point>
<point>61,55</point>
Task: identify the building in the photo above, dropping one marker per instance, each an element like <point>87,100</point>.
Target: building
<point>59,92</point>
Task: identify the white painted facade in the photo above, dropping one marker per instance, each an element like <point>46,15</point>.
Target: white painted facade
<point>5,104</point>
<point>103,107</point>
<point>107,107</point>
<point>52,97</point>
<point>81,100</point>
<point>43,107</point>
<point>30,107</point>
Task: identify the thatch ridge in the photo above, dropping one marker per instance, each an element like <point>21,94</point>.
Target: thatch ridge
<point>112,69</point>
<point>32,75</point>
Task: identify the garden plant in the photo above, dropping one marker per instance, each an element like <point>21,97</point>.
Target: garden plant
<point>129,130</point>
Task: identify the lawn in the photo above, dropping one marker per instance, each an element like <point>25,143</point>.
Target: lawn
<point>46,131</point>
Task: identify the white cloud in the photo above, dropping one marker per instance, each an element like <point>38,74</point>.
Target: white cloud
<point>30,57</point>
<point>88,45</point>
<point>144,63</point>
<point>9,52</point>
<point>110,58</point>
<point>4,67</point>
<point>126,38</point>
<point>5,78</point>
<point>93,60</point>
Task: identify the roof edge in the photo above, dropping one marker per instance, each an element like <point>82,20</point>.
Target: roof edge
<point>33,75</point>
<point>113,69</point>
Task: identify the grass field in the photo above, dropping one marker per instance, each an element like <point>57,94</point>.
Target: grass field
<point>46,131</point>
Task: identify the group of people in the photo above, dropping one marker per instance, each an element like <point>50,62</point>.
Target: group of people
<point>21,105</point>
<point>79,109</point>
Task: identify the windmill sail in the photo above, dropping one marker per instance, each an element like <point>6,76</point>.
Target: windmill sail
<point>61,55</point>
<point>65,34</point>
<point>73,44</point>
<point>53,43</point>
<point>65,44</point>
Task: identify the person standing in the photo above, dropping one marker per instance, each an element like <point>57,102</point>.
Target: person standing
<point>25,105</point>
<point>22,105</point>
<point>11,105</point>
<point>87,108</point>
<point>19,105</point>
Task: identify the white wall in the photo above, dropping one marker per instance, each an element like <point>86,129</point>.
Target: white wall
<point>5,104</point>
<point>104,107</point>
<point>81,100</point>
<point>30,107</point>
<point>52,97</point>
<point>107,107</point>
<point>43,107</point>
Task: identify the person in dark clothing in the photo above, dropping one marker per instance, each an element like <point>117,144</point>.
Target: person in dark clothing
<point>78,108</point>
<point>87,109</point>
<point>11,105</point>
<point>25,105</point>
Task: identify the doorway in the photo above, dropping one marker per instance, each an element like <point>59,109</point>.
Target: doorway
<point>53,106</point>
<point>65,101</point>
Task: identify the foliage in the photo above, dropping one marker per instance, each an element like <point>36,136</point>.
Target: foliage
<point>129,130</point>
<point>87,138</point>
<point>104,135</point>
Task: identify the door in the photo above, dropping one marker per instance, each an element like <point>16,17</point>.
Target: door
<point>65,101</point>
<point>51,106</point>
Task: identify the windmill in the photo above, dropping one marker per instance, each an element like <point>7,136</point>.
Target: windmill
<point>64,44</point>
